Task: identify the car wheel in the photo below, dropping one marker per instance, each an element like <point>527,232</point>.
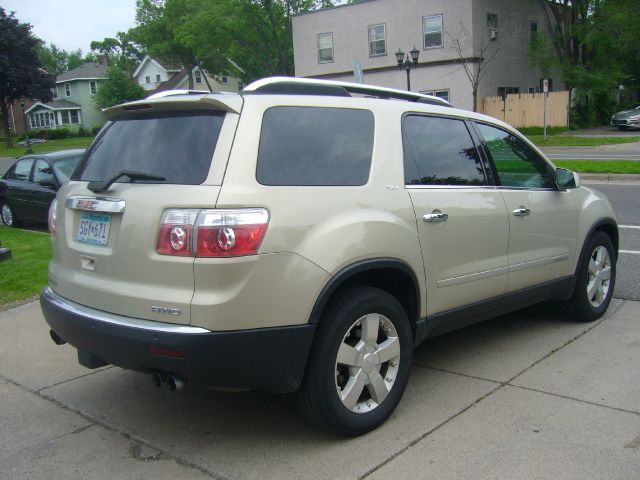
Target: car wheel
<point>359,363</point>
<point>595,279</point>
<point>8,217</point>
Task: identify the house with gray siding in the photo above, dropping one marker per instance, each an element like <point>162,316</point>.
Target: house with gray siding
<point>489,37</point>
<point>73,105</point>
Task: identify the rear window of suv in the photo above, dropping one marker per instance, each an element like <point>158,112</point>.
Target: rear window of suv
<point>178,146</point>
<point>315,146</point>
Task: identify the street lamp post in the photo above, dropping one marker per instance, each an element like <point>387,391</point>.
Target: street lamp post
<point>26,127</point>
<point>408,62</point>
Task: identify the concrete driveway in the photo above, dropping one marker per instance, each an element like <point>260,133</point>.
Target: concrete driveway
<point>529,395</point>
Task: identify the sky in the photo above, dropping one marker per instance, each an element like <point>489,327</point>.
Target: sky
<point>73,24</point>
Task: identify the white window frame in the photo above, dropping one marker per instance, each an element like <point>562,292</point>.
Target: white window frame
<point>224,80</point>
<point>54,91</point>
<point>67,89</point>
<point>424,32</point>
<point>330,35</point>
<point>71,122</point>
<point>370,28</point>
<point>93,87</point>
<point>437,91</point>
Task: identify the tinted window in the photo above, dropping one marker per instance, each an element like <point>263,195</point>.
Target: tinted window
<point>42,172</point>
<point>64,168</point>
<point>517,164</point>
<point>315,146</point>
<point>439,151</point>
<point>177,146</point>
<point>21,170</point>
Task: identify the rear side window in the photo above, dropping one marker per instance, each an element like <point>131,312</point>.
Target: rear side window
<point>178,146</point>
<point>440,151</point>
<point>315,146</point>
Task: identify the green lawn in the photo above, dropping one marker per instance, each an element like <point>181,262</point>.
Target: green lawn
<point>596,166</point>
<point>62,144</point>
<point>569,141</point>
<point>26,273</point>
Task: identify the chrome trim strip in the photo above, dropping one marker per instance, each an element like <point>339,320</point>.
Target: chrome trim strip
<point>538,263</point>
<point>95,204</point>
<point>472,277</point>
<point>94,315</point>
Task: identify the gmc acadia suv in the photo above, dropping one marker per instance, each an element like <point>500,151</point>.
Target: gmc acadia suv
<point>302,236</point>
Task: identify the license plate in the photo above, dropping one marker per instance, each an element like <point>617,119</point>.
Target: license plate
<point>94,228</point>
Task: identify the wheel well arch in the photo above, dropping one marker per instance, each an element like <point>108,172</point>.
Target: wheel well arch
<point>391,275</point>
<point>608,226</point>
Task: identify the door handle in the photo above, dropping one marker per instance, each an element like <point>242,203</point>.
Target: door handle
<point>521,211</point>
<point>435,217</point>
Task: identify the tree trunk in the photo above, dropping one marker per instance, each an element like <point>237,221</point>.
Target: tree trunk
<point>190,75</point>
<point>475,99</point>
<point>4,112</point>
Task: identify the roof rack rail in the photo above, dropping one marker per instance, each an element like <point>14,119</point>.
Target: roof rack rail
<point>169,93</point>
<point>311,86</point>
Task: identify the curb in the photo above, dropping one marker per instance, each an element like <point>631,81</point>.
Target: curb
<point>611,177</point>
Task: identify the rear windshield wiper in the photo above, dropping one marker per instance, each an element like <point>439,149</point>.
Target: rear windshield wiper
<point>103,185</point>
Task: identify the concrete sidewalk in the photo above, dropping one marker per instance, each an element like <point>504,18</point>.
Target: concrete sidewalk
<point>529,395</point>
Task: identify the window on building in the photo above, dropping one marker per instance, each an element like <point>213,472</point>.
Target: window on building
<point>377,40</point>
<point>67,89</point>
<point>432,29</point>
<point>444,94</point>
<point>533,28</point>
<point>492,20</point>
<point>325,48</point>
<point>225,80</point>
<point>158,78</point>
<point>315,146</point>
<point>64,115</point>
<point>504,91</point>
<point>439,151</point>
<point>93,87</point>
<point>240,85</point>
<point>54,91</point>
<point>74,116</point>
<point>532,90</point>
<point>147,79</point>
<point>197,76</point>
<point>516,163</point>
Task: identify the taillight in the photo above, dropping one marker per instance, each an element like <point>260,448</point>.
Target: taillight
<point>212,233</point>
<point>52,217</point>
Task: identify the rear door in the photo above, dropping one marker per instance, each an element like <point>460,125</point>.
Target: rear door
<point>41,194</point>
<point>18,185</point>
<point>461,218</point>
<point>543,220</point>
<point>105,251</point>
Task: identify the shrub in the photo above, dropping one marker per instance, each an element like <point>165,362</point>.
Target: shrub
<point>58,133</point>
<point>82,132</point>
<point>95,130</point>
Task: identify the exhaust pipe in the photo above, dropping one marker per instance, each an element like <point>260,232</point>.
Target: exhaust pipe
<point>56,338</point>
<point>174,382</point>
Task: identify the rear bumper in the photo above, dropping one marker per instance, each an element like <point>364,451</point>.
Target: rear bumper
<point>272,359</point>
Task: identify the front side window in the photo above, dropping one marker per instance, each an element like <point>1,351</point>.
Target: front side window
<point>21,170</point>
<point>432,30</point>
<point>377,40</point>
<point>439,151</point>
<point>315,146</point>
<point>67,89</point>
<point>517,164</point>
<point>325,48</point>
<point>178,146</point>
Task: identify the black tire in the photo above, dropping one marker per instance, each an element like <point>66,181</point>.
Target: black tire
<point>319,397</point>
<point>582,306</point>
<point>8,215</point>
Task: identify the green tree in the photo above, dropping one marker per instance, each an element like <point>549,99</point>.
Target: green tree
<point>21,73</point>
<point>120,51</point>
<point>57,60</point>
<point>118,88</point>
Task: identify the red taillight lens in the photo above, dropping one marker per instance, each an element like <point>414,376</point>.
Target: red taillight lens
<point>217,233</point>
<point>53,216</point>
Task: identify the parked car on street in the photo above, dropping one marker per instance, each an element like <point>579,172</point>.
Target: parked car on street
<point>31,183</point>
<point>304,235</point>
<point>626,119</point>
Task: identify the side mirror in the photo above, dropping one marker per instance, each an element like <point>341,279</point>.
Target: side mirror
<point>49,182</point>
<point>567,179</point>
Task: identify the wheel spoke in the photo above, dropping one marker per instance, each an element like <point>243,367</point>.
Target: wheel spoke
<point>352,390</point>
<point>599,293</point>
<point>605,273</point>
<point>347,355</point>
<point>389,349</point>
<point>377,387</point>
<point>593,267</point>
<point>370,326</point>
<point>592,288</point>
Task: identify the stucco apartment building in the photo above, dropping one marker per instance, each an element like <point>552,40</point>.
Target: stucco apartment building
<point>328,43</point>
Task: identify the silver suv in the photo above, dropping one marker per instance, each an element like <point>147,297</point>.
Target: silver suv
<point>303,236</point>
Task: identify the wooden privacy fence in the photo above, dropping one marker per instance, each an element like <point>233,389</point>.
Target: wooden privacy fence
<point>527,109</point>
